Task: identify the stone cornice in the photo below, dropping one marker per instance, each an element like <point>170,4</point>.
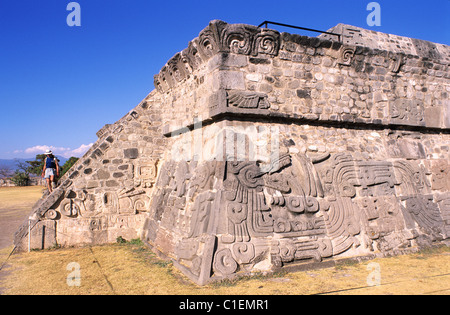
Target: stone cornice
<point>232,63</point>
<point>243,39</point>
<point>217,37</point>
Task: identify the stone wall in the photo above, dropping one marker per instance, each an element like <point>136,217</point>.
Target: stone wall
<point>107,192</point>
<point>34,181</point>
<point>310,78</point>
<point>259,150</point>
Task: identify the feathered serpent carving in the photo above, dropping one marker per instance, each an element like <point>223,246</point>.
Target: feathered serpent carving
<point>242,99</point>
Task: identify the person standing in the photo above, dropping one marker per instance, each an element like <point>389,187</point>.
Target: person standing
<point>51,169</point>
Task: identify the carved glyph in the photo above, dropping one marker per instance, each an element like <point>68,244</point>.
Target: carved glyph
<point>217,37</point>
<point>346,55</point>
<point>242,99</point>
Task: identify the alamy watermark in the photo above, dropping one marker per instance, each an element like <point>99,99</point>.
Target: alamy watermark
<point>74,277</point>
<point>74,17</point>
<point>228,143</point>
<point>374,17</point>
<point>374,277</point>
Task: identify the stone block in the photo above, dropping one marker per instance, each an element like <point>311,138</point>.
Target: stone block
<point>446,116</point>
<point>103,174</point>
<point>225,61</point>
<point>433,117</point>
<point>230,80</point>
<point>304,93</point>
<point>42,236</point>
<point>131,153</point>
<point>111,183</point>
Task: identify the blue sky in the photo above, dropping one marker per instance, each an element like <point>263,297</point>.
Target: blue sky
<point>59,85</point>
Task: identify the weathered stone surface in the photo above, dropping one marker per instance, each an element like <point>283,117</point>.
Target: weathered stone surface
<point>132,153</point>
<point>259,150</point>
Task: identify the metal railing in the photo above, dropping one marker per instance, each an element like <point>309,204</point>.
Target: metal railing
<point>266,23</point>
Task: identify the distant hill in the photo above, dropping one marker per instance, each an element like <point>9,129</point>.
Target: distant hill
<point>12,163</point>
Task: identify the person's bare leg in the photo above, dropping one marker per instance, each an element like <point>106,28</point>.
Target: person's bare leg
<point>49,184</point>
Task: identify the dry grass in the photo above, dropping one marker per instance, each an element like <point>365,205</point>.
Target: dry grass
<point>15,206</point>
<point>16,201</point>
<point>104,270</point>
<point>134,269</point>
<point>131,268</point>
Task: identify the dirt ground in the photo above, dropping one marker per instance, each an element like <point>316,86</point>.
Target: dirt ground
<point>15,206</point>
<point>131,268</point>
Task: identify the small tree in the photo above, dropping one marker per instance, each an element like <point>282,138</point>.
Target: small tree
<point>35,167</point>
<point>5,171</point>
<point>20,178</point>
<point>23,166</point>
<point>69,163</point>
<point>22,174</point>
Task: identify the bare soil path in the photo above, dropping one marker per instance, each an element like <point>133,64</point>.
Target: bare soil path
<point>15,206</point>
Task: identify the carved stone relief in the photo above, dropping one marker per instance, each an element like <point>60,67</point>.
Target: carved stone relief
<point>145,174</point>
<point>411,179</point>
<point>382,217</point>
<point>243,99</point>
<point>397,61</point>
<point>346,55</point>
<point>443,200</point>
<point>342,222</point>
<point>217,37</point>
<point>376,178</point>
<point>424,212</point>
<point>406,111</point>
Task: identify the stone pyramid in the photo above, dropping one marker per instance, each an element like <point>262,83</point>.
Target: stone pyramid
<point>261,150</point>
